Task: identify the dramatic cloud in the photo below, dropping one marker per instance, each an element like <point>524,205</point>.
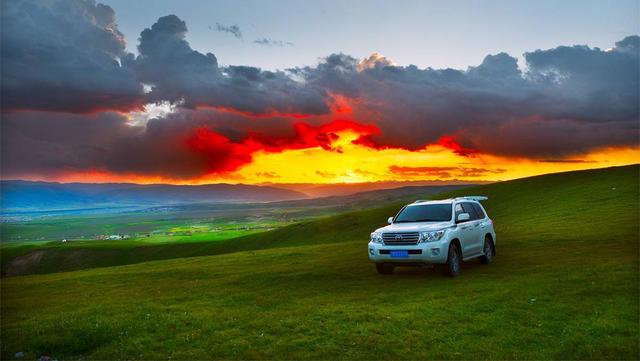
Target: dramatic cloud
<point>64,56</point>
<point>231,29</point>
<point>570,100</point>
<point>68,89</point>
<point>180,146</point>
<point>272,42</point>
<point>179,74</point>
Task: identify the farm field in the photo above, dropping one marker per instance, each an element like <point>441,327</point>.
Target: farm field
<point>150,223</point>
<point>564,285</point>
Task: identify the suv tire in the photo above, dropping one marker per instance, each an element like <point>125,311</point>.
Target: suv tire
<point>488,251</point>
<point>384,269</point>
<point>454,261</point>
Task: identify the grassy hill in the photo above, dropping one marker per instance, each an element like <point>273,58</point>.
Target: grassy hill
<point>564,285</point>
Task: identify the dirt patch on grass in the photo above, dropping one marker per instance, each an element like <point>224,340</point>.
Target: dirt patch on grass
<point>22,264</point>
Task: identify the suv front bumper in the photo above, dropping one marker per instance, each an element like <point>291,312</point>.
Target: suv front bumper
<point>429,253</point>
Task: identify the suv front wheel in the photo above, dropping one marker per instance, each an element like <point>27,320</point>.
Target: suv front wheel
<point>454,261</point>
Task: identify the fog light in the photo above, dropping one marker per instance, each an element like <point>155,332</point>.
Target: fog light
<point>435,251</point>
<point>371,251</point>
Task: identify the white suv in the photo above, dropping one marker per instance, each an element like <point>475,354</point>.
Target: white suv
<point>435,232</point>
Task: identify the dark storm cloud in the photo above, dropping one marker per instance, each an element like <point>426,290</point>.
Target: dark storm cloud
<point>591,84</point>
<point>64,56</point>
<point>570,100</point>
<point>231,29</point>
<point>52,144</point>
<point>178,73</point>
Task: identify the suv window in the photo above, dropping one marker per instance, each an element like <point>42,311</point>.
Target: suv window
<point>465,208</point>
<point>469,208</point>
<point>479,211</point>
<point>424,213</point>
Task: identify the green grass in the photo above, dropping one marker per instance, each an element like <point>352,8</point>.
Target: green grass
<point>89,227</point>
<point>564,285</point>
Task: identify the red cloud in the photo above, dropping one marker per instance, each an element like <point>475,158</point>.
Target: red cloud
<point>224,155</point>
<point>308,136</point>
<point>221,154</point>
<point>448,141</point>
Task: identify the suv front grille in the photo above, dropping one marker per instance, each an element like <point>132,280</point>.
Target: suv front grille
<point>400,238</point>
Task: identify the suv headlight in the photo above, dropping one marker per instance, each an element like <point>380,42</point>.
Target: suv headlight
<point>376,237</point>
<point>431,236</point>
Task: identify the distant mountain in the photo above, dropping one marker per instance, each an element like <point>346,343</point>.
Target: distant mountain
<point>342,189</point>
<point>44,195</point>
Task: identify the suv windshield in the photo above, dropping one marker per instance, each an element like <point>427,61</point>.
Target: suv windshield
<point>424,213</point>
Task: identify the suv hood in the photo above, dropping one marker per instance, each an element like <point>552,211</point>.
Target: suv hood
<point>415,227</point>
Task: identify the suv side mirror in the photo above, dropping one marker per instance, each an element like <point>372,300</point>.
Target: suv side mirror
<point>462,217</point>
<point>390,220</point>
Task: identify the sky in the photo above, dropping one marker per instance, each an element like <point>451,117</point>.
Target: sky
<point>437,34</point>
<point>194,92</point>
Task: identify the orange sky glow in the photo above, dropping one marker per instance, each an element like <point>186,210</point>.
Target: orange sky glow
<point>357,163</point>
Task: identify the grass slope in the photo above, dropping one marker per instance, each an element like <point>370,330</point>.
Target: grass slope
<point>564,286</point>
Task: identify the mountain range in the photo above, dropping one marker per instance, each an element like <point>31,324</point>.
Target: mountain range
<point>18,194</point>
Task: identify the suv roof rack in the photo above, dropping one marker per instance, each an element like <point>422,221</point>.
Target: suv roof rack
<point>474,198</point>
<point>469,198</point>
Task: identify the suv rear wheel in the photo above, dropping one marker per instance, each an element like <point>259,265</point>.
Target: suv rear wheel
<point>384,269</point>
<point>488,251</point>
<point>453,265</point>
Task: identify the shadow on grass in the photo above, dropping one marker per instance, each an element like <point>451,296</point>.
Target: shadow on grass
<point>435,271</point>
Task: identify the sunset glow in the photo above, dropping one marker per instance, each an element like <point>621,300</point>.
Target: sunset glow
<point>358,164</point>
